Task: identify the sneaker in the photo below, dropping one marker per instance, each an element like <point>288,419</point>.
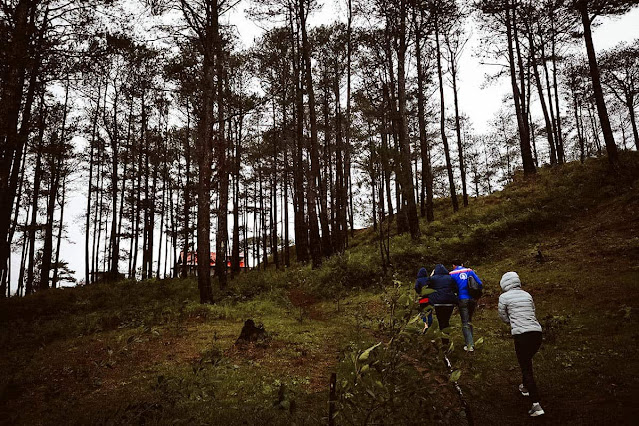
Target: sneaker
<point>469,349</point>
<point>523,390</point>
<point>536,410</point>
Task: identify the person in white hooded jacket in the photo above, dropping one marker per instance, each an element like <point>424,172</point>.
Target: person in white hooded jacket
<point>516,308</point>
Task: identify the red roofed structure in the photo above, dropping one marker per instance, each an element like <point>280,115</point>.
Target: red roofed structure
<point>192,261</point>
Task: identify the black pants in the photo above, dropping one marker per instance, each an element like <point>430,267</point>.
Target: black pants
<point>526,346</point>
<point>443,318</point>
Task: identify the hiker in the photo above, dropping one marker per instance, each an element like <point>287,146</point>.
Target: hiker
<point>467,301</point>
<point>443,299</point>
<point>516,308</point>
<point>425,309</point>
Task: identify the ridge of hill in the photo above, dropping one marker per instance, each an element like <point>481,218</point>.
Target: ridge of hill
<point>147,352</point>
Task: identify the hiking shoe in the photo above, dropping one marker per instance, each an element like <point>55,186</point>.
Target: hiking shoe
<point>469,349</point>
<point>536,410</point>
<point>523,390</point>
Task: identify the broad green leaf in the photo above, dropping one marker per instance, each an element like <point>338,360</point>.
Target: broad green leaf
<point>426,291</point>
<point>414,319</point>
<point>364,356</point>
<point>455,375</point>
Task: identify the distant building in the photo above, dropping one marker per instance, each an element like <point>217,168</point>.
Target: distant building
<point>191,263</point>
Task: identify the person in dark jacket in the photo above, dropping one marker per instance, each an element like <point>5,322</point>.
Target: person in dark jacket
<point>466,302</point>
<point>443,299</point>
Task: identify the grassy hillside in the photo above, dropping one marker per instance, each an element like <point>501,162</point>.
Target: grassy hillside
<point>148,353</point>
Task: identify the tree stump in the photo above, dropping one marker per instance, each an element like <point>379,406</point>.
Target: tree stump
<point>251,333</point>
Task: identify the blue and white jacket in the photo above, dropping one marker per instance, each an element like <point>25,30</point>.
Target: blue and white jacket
<point>460,275</point>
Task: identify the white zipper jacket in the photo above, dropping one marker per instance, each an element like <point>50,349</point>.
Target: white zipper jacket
<point>516,306</point>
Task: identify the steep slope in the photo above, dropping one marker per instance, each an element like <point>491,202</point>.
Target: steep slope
<point>149,353</point>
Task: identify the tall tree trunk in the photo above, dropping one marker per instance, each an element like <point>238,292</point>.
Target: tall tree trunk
<point>316,245</point>
<point>87,224</point>
<point>408,190</point>
<point>347,172</point>
<point>11,144</point>
<point>47,250</point>
<point>287,250</point>
<point>519,94</point>
<point>633,121</point>
<point>187,193</point>
<point>611,147</point>
<point>442,121</point>
<point>56,265</point>
<point>560,138</point>
<point>550,131</point>
<point>204,153</point>
<point>301,229</point>
<point>553,120</point>
<point>221,238</point>
<point>235,258</point>
<point>115,246</point>
<point>339,227</point>
<point>36,193</point>
<point>460,148</point>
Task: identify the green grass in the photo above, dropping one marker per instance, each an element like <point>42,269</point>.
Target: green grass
<point>148,352</point>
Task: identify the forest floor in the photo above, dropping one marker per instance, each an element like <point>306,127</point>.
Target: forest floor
<point>148,353</point>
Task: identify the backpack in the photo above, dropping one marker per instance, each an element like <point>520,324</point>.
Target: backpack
<point>474,288</point>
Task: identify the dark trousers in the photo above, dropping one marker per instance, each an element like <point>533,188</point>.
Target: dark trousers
<point>443,317</point>
<point>526,346</point>
<point>466,311</point>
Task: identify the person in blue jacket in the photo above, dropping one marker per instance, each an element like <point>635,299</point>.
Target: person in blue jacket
<point>467,304</point>
<point>443,299</point>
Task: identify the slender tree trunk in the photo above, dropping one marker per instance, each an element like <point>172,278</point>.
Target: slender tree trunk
<point>11,144</point>
<point>36,193</point>
<point>187,193</point>
<point>47,251</point>
<point>611,147</point>
<point>221,239</point>
<point>87,224</point>
<point>56,265</point>
<point>633,122</point>
<point>460,148</point>
<point>518,94</point>
<point>23,258</point>
<point>560,139</point>
<point>204,152</point>
<point>317,245</point>
<point>544,109</point>
<point>408,191</point>
<point>301,229</point>
<point>339,229</point>
<point>442,122</point>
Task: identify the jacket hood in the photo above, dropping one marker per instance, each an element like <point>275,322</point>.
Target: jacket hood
<point>423,273</point>
<point>440,269</point>
<point>509,281</point>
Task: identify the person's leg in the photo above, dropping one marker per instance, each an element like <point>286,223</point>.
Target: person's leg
<point>465,311</point>
<point>443,318</point>
<point>472,304</point>
<point>526,345</point>
<point>426,314</point>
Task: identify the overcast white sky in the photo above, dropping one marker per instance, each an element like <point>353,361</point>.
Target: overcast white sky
<point>478,102</point>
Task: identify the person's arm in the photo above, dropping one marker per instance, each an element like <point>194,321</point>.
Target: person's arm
<point>453,286</point>
<point>532,302</point>
<point>503,311</point>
